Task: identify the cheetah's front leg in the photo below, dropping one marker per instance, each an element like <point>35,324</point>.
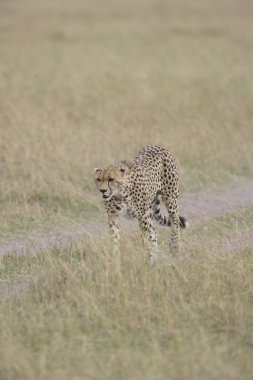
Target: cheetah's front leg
<point>114,231</point>
<point>149,237</point>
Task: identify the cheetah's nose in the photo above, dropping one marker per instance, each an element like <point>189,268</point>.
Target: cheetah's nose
<point>102,191</point>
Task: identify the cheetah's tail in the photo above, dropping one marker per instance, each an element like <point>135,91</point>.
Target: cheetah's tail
<point>183,222</point>
<point>165,221</point>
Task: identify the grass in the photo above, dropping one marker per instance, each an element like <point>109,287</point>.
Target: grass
<point>86,83</point>
<point>84,313</point>
<point>83,84</point>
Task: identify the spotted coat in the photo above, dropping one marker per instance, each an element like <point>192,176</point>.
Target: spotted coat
<point>136,188</point>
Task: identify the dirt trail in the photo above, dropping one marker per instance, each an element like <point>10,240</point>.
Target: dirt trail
<point>195,207</point>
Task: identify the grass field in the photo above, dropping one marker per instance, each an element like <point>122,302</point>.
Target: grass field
<point>85,83</point>
<point>83,313</point>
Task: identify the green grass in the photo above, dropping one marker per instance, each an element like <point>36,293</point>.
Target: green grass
<point>86,83</point>
<point>84,313</point>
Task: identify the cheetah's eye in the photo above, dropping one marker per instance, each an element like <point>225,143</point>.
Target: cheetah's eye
<point>98,179</point>
<point>110,179</point>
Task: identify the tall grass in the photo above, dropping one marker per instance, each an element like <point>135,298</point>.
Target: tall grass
<point>84,313</point>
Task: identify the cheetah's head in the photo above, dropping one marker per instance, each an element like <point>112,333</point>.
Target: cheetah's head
<point>109,181</point>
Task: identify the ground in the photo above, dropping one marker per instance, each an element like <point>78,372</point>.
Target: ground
<point>84,84</point>
<point>197,207</point>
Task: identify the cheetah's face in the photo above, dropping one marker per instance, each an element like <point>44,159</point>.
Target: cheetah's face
<point>109,180</point>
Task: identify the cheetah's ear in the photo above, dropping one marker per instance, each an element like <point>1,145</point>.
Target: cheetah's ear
<point>126,166</point>
<point>97,170</point>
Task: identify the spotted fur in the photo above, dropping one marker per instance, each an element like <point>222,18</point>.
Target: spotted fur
<point>136,188</point>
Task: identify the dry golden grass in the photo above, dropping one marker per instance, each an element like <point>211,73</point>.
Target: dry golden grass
<point>84,313</point>
<point>85,83</point>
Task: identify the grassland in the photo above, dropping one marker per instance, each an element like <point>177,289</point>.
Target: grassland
<point>85,83</point>
<point>83,313</point>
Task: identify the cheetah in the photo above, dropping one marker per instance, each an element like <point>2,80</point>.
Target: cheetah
<point>136,189</point>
